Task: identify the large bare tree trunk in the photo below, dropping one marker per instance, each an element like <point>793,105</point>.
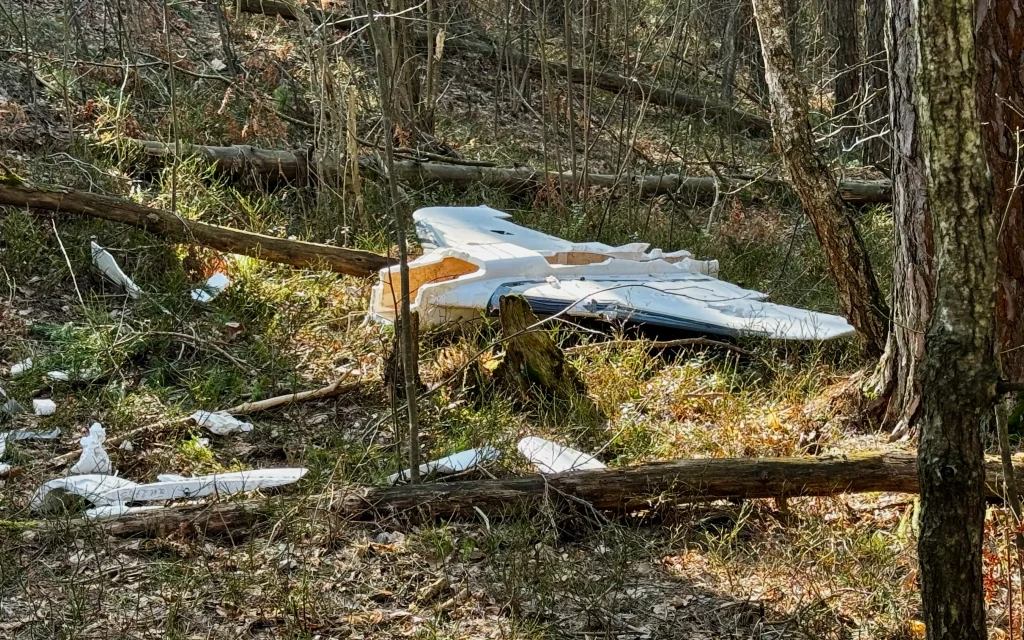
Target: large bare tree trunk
<point>859,294</point>
<point>1000,55</point>
<point>913,273</point>
<point>958,374</point>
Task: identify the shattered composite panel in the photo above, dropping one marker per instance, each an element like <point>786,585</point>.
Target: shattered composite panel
<point>475,255</point>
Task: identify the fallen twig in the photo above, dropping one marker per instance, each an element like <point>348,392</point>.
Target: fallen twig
<point>334,389</point>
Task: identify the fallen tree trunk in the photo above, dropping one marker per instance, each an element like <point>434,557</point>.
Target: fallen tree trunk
<point>177,229</point>
<point>270,164</point>
<point>684,103</point>
<point>618,490</point>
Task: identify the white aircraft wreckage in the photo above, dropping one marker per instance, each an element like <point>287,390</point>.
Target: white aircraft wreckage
<point>475,255</point>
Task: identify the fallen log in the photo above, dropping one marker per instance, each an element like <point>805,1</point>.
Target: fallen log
<point>297,253</point>
<point>684,103</point>
<point>619,490</point>
<point>242,160</point>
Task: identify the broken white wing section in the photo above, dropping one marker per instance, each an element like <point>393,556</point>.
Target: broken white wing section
<point>463,283</point>
<point>550,457</point>
<point>454,463</point>
<point>199,486</point>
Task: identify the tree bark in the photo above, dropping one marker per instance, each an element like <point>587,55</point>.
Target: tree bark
<point>308,255</point>
<point>621,490</point>
<point>899,377</point>
<point>878,149</point>
<point>859,294</point>
<point>532,359</point>
<point>242,161</point>
<point>1000,55</point>
<point>848,71</point>
<point>958,374</point>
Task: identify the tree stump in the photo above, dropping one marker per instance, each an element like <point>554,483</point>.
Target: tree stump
<point>532,359</point>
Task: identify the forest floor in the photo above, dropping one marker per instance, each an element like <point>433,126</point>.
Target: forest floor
<point>833,567</point>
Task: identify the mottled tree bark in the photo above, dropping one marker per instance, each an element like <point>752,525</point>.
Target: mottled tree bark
<point>859,294</point>
<point>958,374</point>
<point>847,80</point>
<point>1000,55</point>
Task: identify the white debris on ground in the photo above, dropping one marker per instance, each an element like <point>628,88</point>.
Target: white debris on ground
<point>221,424</point>
<point>550,457</point>
<point>455,463</point>
<point>477,256</point>
<point>109,496</point>
<point>19,368</point>
<point>215,285</point>
<point>108,266</point>
<point>25,434</point>
<point>44,407</point>
<point>94,458</point>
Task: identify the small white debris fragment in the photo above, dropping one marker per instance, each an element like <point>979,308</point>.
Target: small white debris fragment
<point>215,286</point>
<point>127,446</point>
<point>454,463</point>
<point>24,434</point>
<point>220,424</point>
<point>43,407</point>
<point>94,457</point>
<point>108,266</point>
<point>550,457</point>
<point>217,64</point>
<point>553,281</point>
<point>4,469</point>
<point>60,376</point>
<point>19,368</point>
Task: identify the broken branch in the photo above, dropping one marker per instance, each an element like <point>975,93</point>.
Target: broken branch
<point>621,490</point>
<point>308,255</point>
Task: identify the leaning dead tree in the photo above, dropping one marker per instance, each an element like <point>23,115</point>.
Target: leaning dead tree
<point>272,164</point>
<point>177,229</point>
<point>623,490</point>
<point>859,294</point>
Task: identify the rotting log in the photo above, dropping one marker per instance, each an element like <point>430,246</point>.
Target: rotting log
<point>684,103</point>
<point>620,490</point>
<point>242,160</point>
<point>297,253</point>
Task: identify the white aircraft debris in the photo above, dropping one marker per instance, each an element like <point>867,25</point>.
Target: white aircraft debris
<point>24,434</point>
<point>479,256</point>
<point>94,457</point>
<point>108,266</point>
<point>44,407</point>
<point>178,487</point>
<point>52,495</point>
<point>19,368</point>
<point>109,496</point>
<point>214,286</point>
<point>448,465</point>
<point>220,424</point>
<point>550,457</point>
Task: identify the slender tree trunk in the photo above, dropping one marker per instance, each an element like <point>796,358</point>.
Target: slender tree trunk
<point>877,150</point>
<point>728,53</point>
<point>847,80</point>
<point>1000,56</point>
<point>859,294</point>
<point>958,373</point>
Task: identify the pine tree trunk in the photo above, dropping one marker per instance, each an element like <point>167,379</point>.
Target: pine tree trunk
<point>847,81</point>
<point>877,150</point>
<point>861,299</point>
<point>913,271</point>
<point>958,373</point>
<point>1000,56</point>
